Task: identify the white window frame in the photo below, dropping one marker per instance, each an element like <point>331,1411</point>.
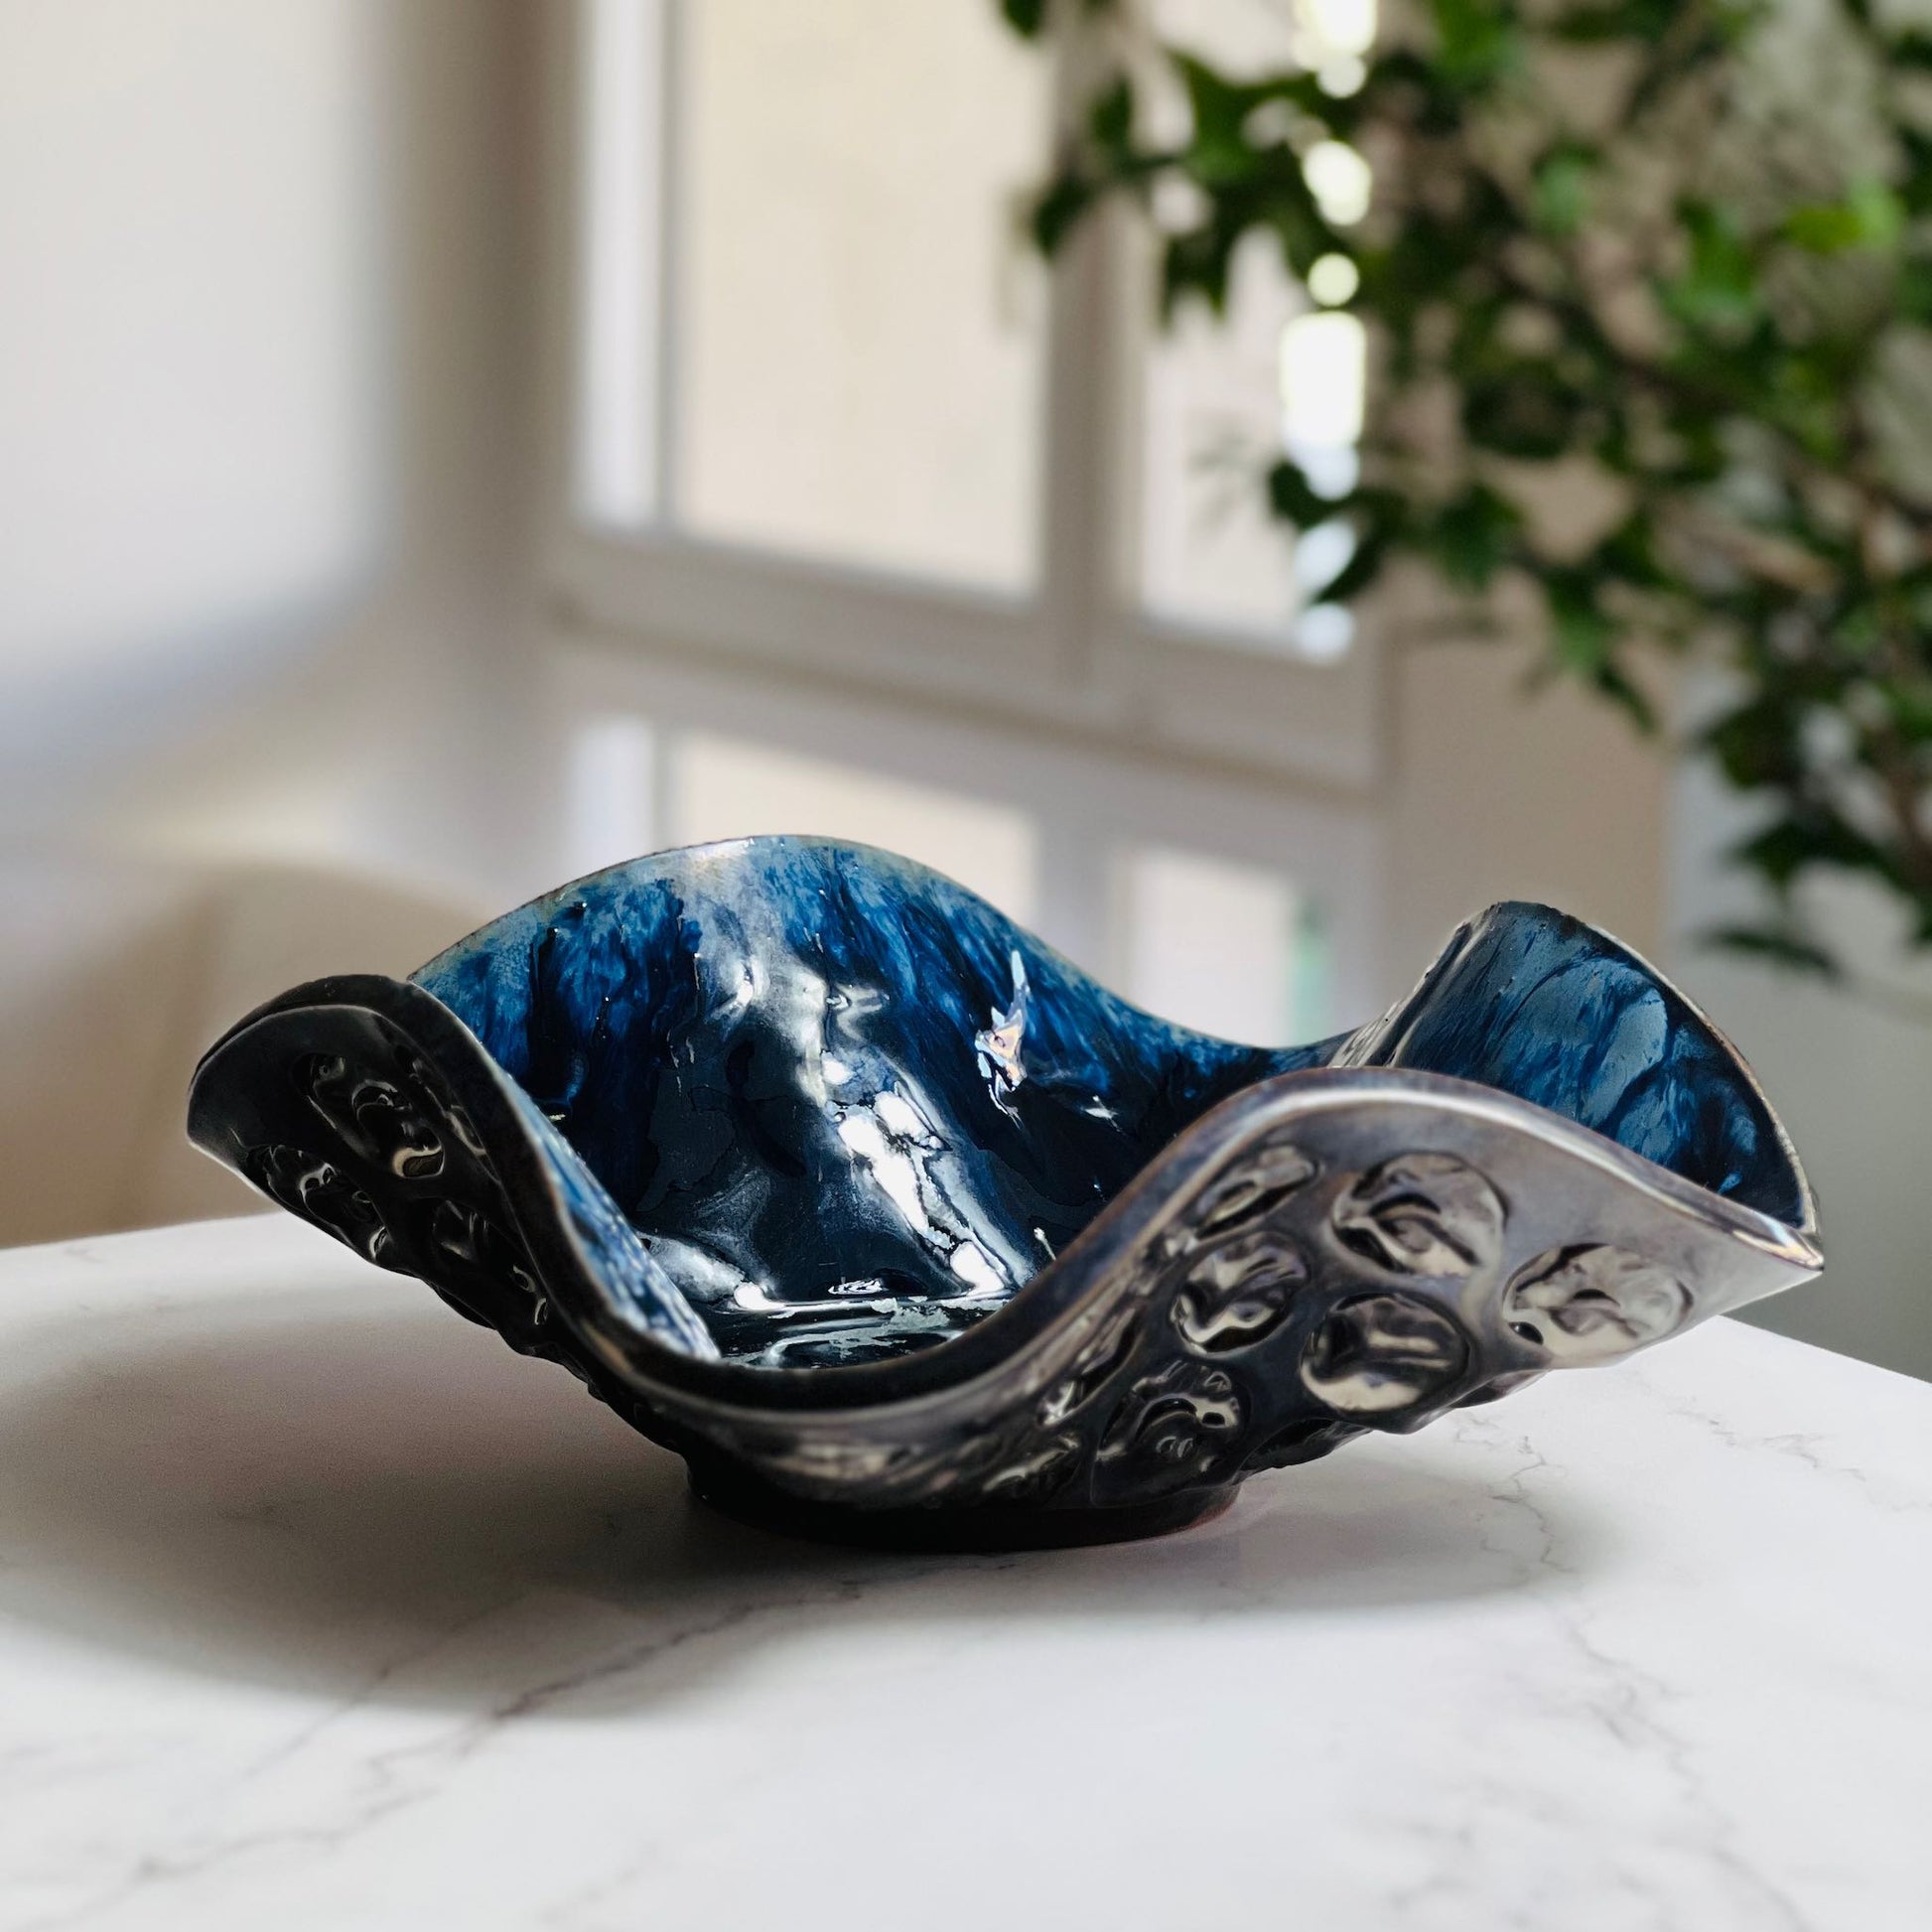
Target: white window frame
<point>1077,658</point>
<point>1090,806</point>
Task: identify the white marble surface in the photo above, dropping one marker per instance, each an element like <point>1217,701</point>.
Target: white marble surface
<point>319,1608</point>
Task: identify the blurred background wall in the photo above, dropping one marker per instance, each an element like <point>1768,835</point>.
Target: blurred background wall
<point>319,642</point>
<point>263,616</point>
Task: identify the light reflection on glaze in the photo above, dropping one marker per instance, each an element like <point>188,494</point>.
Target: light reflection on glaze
<point>799,1069</point>
<point>747,1103</point>
<point>796,1067</point>
<point>999,1045</point>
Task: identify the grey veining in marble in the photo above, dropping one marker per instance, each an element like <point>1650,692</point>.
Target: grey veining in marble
<point>312,1618</point>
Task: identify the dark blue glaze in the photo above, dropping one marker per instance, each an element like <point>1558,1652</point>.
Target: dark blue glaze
<point>1537,1003</point>
<point>737,1135</point>
<point>812,1104</point>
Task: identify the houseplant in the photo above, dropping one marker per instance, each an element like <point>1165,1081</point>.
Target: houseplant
<point>1668,260</point>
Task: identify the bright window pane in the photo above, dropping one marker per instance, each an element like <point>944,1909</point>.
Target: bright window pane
<point>1322,382</point>
<point>1226,396</point>
<point>732,789</point>
<point>1228,948</point>
<point>1340,182</point>
<point>859,329</point>
<point>610,806</point>
<point>1244,37</point>
<point>1337,25</point>
<point>1211,555</point>
<point>620,170</point>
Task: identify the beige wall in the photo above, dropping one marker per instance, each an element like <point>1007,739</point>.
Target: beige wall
<point>1500,792</point>
<point>1552,797</point>
<point>1850,1069</point>
<point>116,977</point>
<point>265,680</point>
<point>316,637</point>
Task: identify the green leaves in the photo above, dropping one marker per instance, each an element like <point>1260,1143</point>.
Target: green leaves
<point>1111,121</point>
<point>1759,742</point>
<point>1585,640</point>
<point>1807,836</point>
<point>1294,498</point>
<point>1560,188</point>
<point>1472,537</point>
<point>1617,20</point>
<point>1218,152</point>
<point>1523,409</point>
<point>1596,375</point>
<point>1028,18</point>
<point>1869,216</point>
<point>1477,41</point>
<point>1721,288</point>
<point>1780,946</point>
<point>1059,210</point>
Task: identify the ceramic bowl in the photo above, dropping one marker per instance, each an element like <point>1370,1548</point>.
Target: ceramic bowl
<point>896,1225</point>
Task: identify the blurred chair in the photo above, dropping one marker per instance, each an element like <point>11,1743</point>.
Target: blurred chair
<point>114,975</point>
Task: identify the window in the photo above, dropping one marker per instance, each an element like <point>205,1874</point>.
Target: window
<point>1211,558</point>
<point>732,789</point>
<point>1231,949</point>
<point>866,523</point>
<point>1225,395</point>
<point>825,315</point>
<point>1247,913</point>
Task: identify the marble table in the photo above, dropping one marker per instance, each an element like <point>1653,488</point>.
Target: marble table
<point>319,1608</point>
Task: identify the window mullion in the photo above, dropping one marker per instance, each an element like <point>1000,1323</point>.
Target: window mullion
<point>1075,889</point>
<point>1079,502</point>
<point>671,255</point>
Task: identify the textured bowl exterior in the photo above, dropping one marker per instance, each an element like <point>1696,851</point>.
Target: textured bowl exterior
<point>893,1224</point>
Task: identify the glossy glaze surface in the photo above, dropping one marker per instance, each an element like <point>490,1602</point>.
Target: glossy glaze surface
<point>856,1108</point>
<point>822,1172</point>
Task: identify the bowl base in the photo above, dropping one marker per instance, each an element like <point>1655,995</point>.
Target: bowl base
<point>747,1501</point>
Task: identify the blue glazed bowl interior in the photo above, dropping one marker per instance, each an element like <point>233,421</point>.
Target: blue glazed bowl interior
<point>851,1109</point>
